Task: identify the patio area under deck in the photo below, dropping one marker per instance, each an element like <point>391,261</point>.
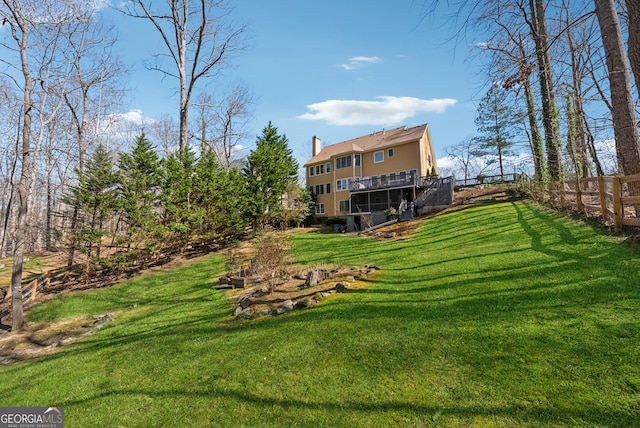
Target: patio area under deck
<point>371,201</point>
<point>380,193</point>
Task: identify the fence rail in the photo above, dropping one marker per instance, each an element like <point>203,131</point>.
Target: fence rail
<point>608,197</point>
<point>29,291</point>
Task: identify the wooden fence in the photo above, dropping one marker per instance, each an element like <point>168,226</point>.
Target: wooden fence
<point>607,197</point>
<point>29,291</point>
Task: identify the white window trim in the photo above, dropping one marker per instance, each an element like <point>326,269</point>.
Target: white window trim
<point>374,156</point>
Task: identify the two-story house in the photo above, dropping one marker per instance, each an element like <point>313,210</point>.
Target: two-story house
<point>369,174</point>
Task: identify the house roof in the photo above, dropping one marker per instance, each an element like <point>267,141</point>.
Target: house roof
<point>375,141</point>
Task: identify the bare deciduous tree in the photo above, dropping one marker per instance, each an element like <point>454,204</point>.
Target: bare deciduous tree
<point>223,123</point>
<point>199,44</point>
<point>36,39</point>
<point>633,9</point>
<point>624,119</point>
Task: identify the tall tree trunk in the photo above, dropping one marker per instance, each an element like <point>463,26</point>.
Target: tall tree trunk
<point>624,119</point>
<point>47,231</point>
<point>550,119</point>
<point>633,7</point>
<point>536,139</point>
<point>9,207</point>
<point>583,168</point>
<point>23,191</point>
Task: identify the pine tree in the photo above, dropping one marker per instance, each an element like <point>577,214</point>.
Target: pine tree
<point>270,169</point>
<point>221,197</point>
<point>496,122</point>
<point>180,214</point>
<point>95,200</point>
<point>140,182</point>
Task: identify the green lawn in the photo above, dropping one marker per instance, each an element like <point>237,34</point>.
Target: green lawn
<point>498,315</point>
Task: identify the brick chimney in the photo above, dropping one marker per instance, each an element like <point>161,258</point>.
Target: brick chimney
<point>316,146</point>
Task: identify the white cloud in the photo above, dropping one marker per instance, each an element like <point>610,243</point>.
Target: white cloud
<point>121,129</point>
<point>360,61</point>
<point>386,110</point>
<point>133,116</point>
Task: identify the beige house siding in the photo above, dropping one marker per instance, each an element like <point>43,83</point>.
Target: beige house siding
<point>411,147</point>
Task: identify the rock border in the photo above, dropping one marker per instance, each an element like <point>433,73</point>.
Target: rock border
<point>318,285</point>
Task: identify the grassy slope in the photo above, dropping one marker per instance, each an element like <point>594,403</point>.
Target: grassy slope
<point>494,316</point>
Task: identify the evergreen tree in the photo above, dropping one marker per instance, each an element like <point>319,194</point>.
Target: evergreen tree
<point>270,169</point>
<point>497,124</point>
<point>94,199</point>
<point>221,198</point>
<point>140,182</point>
<point>180,214</point>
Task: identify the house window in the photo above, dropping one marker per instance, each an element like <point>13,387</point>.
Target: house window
<point>378,157</point>
<point>414,175</point>
<point>403,176</point>
<point>374,180</point>
<point>311,169</point>
<point>343,162</point>
<point>328,187</point>
<point>392,178</point>
<point>319,208</point>
<point>328,167</point>
<point>429,159</point>
<point>319,169</point>
<point>320,189</point>
<point>390,153</point>
<point>383,179</point>
<point>357,158</point>
<point>344,206</point>
<point>341,184</point>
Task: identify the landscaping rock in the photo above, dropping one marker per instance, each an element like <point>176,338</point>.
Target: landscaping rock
<point>307,302</point>
<point>245,314</point>
<point>245,302</point>
<point>9,358</point>
<point>286,306</point>
<point>265,312</point>
<point>315,277</point>
<point>341,288</point>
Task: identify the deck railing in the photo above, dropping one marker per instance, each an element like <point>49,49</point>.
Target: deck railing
<point>387,182</point>
<point>489,179</point>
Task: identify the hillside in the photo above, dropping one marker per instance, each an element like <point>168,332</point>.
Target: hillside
<point>494,315</point>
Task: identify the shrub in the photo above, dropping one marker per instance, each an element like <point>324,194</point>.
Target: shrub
<point>391,213</point>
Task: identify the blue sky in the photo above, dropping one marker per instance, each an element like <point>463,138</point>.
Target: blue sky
<point>336,69</point>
